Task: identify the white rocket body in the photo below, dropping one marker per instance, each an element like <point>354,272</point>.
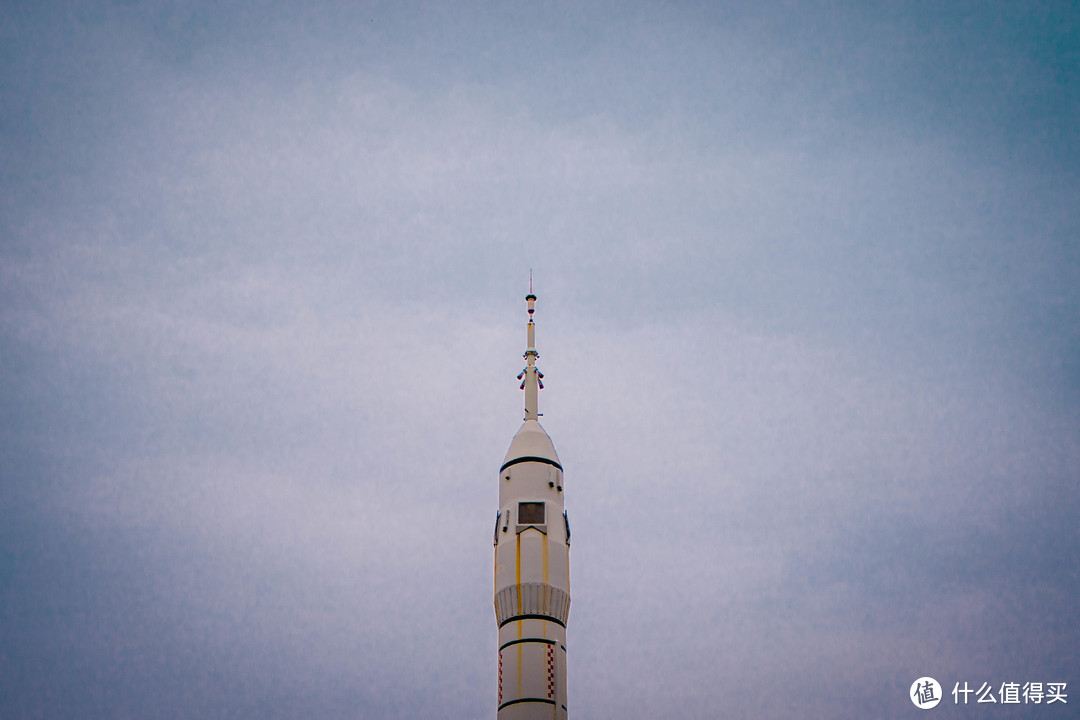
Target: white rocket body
<point>532,567</point>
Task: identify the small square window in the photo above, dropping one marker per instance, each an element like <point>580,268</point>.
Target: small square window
<point>531,513</point>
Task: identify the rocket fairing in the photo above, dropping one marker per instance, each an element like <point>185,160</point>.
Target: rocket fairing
<point>532,565</point>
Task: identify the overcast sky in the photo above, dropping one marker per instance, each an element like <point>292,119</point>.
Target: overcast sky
<point>809,317</point>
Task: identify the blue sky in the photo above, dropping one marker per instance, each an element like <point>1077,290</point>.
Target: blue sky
<point>808,279</point>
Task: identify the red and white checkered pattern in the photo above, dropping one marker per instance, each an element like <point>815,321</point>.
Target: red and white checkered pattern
<point>551,671</point>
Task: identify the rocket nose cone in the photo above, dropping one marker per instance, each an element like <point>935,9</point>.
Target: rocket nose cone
<point>531,442</point>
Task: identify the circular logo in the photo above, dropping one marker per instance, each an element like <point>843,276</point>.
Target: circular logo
<point>925,693</point>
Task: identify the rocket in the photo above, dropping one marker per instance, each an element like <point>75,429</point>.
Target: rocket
<point>532,563</point>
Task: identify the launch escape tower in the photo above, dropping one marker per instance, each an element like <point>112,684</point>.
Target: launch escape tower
<point>532,563</point>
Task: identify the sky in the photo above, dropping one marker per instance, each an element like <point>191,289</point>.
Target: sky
<point>809,319</point>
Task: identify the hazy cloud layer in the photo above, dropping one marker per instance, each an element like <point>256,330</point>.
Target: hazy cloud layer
<point>808,284</point>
